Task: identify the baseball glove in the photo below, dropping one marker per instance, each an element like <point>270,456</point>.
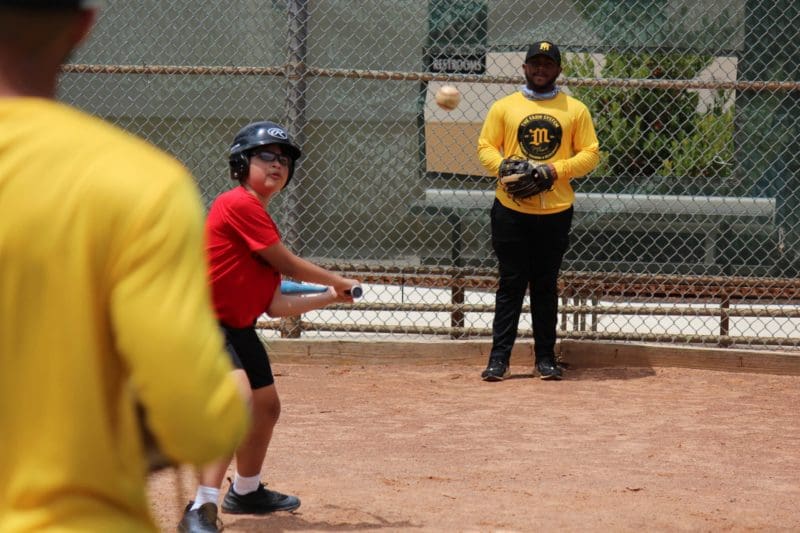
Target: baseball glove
<point>156,460</point>
<point>521,179</point>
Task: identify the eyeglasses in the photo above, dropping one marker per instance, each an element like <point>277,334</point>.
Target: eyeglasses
<point>269,157</point>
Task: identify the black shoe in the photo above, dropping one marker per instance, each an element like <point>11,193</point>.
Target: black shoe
<point>202,520</point>
<point>261,501</point>
<point>497,370</point>
<point>548,369</point>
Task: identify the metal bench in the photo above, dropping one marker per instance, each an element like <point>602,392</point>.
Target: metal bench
<point>708,217</point>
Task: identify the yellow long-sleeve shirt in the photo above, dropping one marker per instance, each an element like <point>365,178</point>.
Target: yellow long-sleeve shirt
<point>103,296</point>
<point>557,131</point>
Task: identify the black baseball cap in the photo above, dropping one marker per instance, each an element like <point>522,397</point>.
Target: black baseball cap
<point>544,48</point>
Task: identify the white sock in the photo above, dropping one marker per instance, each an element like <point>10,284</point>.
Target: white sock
<point>245,485</point>
<point>205,495</point>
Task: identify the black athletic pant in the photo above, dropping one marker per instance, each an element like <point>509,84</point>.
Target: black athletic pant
<point>529,250</point>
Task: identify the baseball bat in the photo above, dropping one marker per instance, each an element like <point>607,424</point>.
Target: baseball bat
<point>355,292</point>
<point>293,287</point>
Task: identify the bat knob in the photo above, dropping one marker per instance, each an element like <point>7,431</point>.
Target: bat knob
<point>356,291</point>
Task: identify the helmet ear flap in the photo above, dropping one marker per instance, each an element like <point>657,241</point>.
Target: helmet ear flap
<point>240,166</point>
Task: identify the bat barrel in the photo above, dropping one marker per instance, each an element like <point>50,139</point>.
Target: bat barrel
<point>293,287</point>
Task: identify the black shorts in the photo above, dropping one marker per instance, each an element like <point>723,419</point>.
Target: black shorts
<point>248,353</point>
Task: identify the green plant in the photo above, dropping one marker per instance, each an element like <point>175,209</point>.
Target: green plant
<point>706,156</point>
<point>650,136</point>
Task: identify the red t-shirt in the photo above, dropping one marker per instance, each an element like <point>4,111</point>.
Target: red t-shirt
<point>242,284</point>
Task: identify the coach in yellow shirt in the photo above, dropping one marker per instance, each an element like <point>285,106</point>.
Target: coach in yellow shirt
<point>103,300</point>
<point>542,124</point>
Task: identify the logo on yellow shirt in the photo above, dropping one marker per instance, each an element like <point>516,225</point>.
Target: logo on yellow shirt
<point>539,136</point>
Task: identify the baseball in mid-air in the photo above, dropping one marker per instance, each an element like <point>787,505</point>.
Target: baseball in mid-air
<point>448,97</point>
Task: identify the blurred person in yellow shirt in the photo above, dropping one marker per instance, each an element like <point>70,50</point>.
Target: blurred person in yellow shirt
<point>104,300</point>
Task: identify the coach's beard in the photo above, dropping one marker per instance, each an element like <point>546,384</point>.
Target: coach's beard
<point>544,91</point>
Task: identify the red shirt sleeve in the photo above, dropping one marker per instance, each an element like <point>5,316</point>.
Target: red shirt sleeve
<point>246,217</point>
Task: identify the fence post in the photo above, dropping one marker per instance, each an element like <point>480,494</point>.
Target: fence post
<point>297,12</point>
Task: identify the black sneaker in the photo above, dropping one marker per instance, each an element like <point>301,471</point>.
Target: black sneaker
<point>496,370</point>
<point>548,369</point>
<point>202,520</point>
<point>260,501</point>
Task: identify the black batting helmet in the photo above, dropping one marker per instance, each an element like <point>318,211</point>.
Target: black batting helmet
<point>255,135</point>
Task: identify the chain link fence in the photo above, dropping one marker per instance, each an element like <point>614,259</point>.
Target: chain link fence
<point>686,232</point>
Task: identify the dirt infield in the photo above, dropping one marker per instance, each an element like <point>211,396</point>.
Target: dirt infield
<point>432,448</point>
